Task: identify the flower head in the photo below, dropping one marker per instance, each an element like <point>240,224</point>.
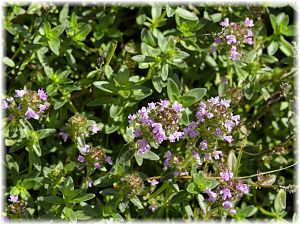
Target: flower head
<point>42,94</point>
<point>225,23</point>
<point>249,22</point>
<point>226,175</point>
<point>13,198</point>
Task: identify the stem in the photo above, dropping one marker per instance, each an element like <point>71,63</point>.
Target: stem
<point>229,71</point>
<point>244,177</point>
<point>160,190</point>
<point>236,172</point>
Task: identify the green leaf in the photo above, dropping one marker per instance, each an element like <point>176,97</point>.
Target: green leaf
<point>63,15</point>
<point>165,71</point>
<point>185,14</point>
<point>147,37</point>
<point>84,30</point>
<point>272,48</point>
<point>191,188</point>
<point>157,83</point>
<point>54,44</point>
<point>11,163</point>
<point>136,201</point>
<point>247,211</point>
<point>58,104</point>
<point>197,93</point>
<point>211,183</point>
<point>115,109</point>
<point>231,161</point>
<point>180,197</point>
<point>265,94</point>
<point>139,159</point>
<point>187,101</point>
<point>143,58</point>
<point>140,92</point>
<point>289,31</point>
<point>280,201</point>
<point>105,86</point>
<point>70,214</point>
<point>84,197</point>
<point>286,47</point>
<point>156,11</point>
<point>273,22</point>
<point>45,133</point>
<point>172,90</point>
<point>126,155</point>
<point>150,155</point>
<point>54,200</point>
<point>9,62</point>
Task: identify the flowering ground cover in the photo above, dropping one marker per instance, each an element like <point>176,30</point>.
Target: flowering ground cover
<point>156,112</point>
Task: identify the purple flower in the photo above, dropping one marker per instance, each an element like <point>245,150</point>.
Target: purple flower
<point>144,147</point>
<point>190,130</point>
<point>42,94</point>
<point>108,159</point>
<point>20,93</point>
<point>212,195</point>
<point>248,40</point>
<point>213,48</point>
<point>249,22</point>
<point>228,138</point>
<point>225,23</point>
<point>225,102</point>
<point>160,136</point>
<point>236,119</point>
<point>217,154</point>
<point>81,158</point>
<point>90,183</point>
<point>231,39</point>
<point>225,193</point>
<point>152,208</point>
<point>5,104</point>
<point>218,40</point>
<point>131,118</point>
<point>151,105</point>
<point>175,135</point>
<point>64,135</point>
<point>229,125</point>
<point>157,127</point>
<point>201,112</point>
<point>13,198</point>
<point>19,106</point>
<point>226,175</point>
<point>9,99</point>
<point>214,100</point>
<point>207,157</point>
<point>153,182</point>
<point>31,114</point>
<point>197,157</point>
<point>203,145</point>
<point>164,103</point>
<point>168,157</point>
<point>218,132</point>
<point>243,188</point>
<point>177,107</point>
<point>97,165</point>
<point>84,149</point>
<point>10,117</point>
<point>137,133</point>
<point>227,205</point>
<point>43,107</point>
<point>233,211</point>
<point>94,128</point>
<point>184,173</point>
<point>250,33</point>
<point>209,115</point>
<point>234,55</point>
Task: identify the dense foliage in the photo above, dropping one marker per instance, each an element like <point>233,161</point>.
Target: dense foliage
<point>173,112</point>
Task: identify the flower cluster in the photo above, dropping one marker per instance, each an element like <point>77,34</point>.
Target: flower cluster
<point>227,191</point>
<point>156,123</point>
<point>215,122</point>
<point>79,126</point>
<point>17,206</point>
<point>234,36</point>
<point>28,104</point>
<point>131,184</point>
<point>93,157</point>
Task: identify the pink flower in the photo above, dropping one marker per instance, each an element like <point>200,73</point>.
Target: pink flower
<point>249,22</point>
<point>225,23</point>
<point>226,175</point>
